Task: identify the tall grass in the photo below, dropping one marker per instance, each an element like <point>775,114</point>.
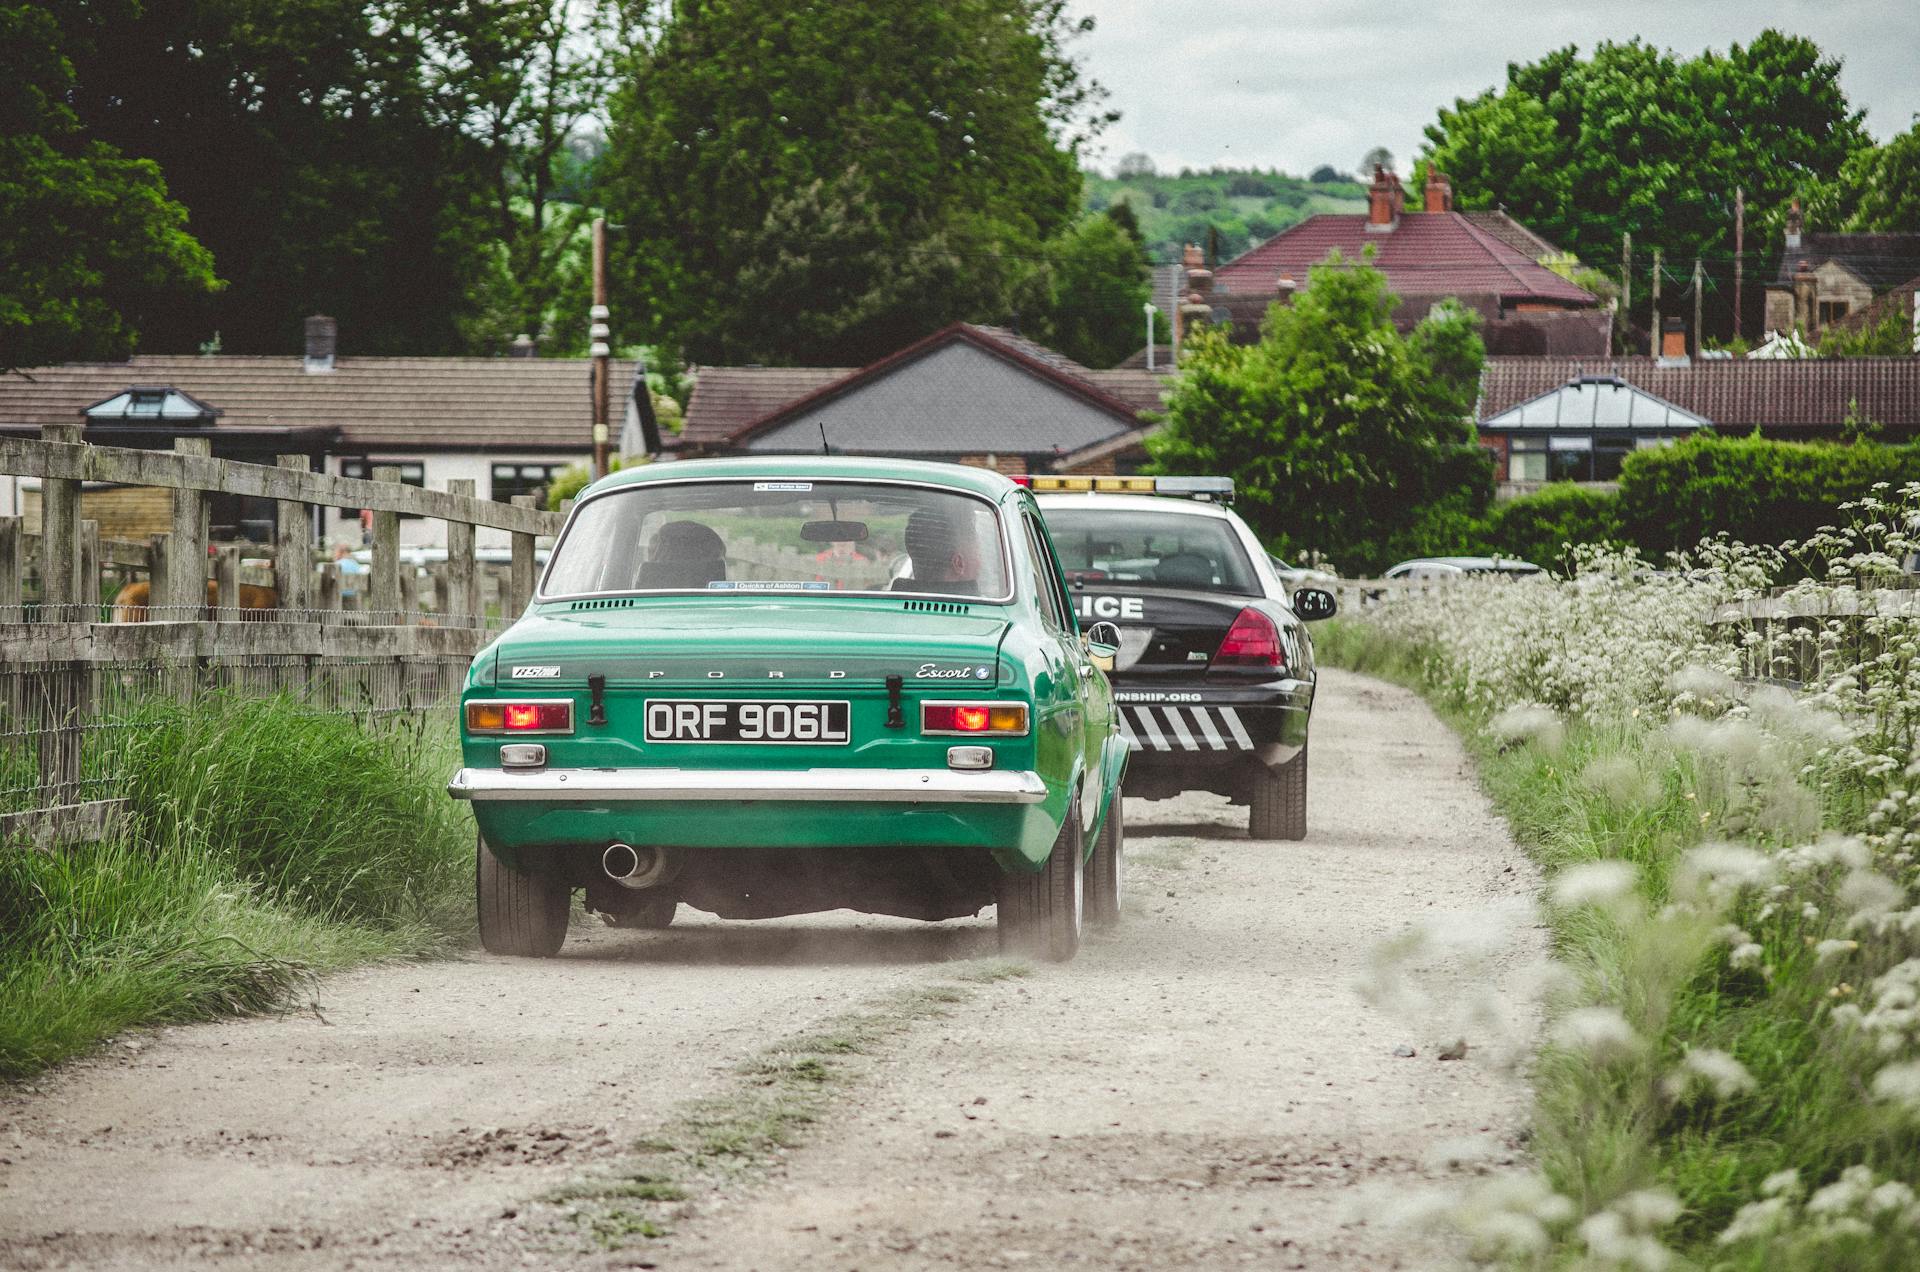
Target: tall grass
<point>267,842</point>
<point>1729,1119</point>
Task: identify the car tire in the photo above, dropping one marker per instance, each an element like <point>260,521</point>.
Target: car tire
<point>652,913</point>
<point>1278,807</point>
<point>522,912</point>
<point>1039,913</point>
<point>1104,869</point>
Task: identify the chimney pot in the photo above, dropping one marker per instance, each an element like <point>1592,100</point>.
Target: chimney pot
<point>1385,198</point>
<point>1439,191</point>
<point>1673,341</point>
<point>522,346</point>
<point>323,338</point>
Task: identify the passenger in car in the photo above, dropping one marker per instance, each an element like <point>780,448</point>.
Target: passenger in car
<point>684,554</point>
<point>944,559</point>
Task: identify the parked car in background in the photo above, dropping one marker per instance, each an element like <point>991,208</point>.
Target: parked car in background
<point>1458,566</point>
<point>1296,576</point>
<point>1215,675</point>
<point>728,694</point>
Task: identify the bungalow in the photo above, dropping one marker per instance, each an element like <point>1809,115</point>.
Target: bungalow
<point>967,393</point>
<point>507,424</point>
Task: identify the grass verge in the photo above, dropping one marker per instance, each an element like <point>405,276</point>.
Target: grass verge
<point>267,843</point>
<point>1752,977</point>
<point>774,1098</point>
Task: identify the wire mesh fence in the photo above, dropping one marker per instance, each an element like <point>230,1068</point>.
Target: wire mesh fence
<point>65,725</point>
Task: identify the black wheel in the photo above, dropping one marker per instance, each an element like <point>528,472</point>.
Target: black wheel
<point>521,912</point>
<point>1104,870</point>
<point>653,912</point>
<point>1039,913</point>
<point>1278,807</point>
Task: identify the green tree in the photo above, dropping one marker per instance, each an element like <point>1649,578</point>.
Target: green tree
<point>89,238</point>
<point>863,181</point>
<point>318,157</point>
<point>1877,190</point>
<point>1342,437</point>
<point>1637,139</point>
<point>1091,293</point>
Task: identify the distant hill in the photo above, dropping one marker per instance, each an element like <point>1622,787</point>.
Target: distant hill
<point>1245,205</point>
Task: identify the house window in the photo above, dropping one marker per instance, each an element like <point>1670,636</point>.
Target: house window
<point>523,479</point>
<point>1608,450</point>
<point>1832,311</point>
<point>412,473</point>
<point>1570,459</point>
<point>1527,459</point>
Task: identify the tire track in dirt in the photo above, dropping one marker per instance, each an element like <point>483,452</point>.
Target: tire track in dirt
<point>1203,1088</point>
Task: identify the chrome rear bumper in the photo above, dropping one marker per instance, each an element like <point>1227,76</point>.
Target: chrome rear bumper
<point>836,785</point>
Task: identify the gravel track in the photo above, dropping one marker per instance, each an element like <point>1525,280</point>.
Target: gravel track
<point>1205,1087</point>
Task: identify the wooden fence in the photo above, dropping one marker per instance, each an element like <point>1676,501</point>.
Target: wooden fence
<point>385,641</point>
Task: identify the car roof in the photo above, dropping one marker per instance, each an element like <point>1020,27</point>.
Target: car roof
<point>978,481</point>
<point>1132,503</point>
<point>1470,563</point>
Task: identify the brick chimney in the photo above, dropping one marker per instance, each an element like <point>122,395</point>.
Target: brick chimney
<point>323,337</point>
<point>1439,191</point>
<point>1194,305</point>
<point>1673,342</point>
<point>1385,199</point>
<point>1796,222</point>
<point>1806,291</point>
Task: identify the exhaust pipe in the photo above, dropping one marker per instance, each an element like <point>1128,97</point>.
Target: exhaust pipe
<point>635,868</point>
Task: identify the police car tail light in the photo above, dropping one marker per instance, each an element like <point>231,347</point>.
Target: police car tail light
<point>546,715</point>
<point>1252,641</point>
<point>973,719</point>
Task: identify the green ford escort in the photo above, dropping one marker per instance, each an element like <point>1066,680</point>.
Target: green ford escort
<point>763,687</point>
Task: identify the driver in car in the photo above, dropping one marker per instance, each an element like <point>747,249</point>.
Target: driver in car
<point>943,557</point>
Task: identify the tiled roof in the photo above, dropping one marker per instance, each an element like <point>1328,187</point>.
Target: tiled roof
<point>1513,234</point>
<point>1880,261</point>
<point>1426,254</point>
<point>503,404</point>
<point>1734,393</point>
<point>727,399</point>
<point>1900,300</point>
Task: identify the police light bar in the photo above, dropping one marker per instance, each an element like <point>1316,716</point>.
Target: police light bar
<point>1207,489</point>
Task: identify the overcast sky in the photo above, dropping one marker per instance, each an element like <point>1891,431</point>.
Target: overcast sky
<point>1293,84</point>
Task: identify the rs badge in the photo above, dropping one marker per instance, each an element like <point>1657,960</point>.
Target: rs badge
<point>536,673</point>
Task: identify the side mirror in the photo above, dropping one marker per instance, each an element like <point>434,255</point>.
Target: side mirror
<point>1312,603</point>
<point>1103,642</point>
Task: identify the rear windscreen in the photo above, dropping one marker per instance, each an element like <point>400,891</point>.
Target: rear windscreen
<point>1151,549</point>
<point>790,535</point>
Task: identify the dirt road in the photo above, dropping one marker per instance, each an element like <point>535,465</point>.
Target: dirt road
<point>1214,1085</point>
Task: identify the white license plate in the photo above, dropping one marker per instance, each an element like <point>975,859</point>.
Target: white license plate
<point>780,721</point>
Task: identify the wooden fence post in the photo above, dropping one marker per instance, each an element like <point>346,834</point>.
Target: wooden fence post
<point>463,588</point>
<point>226,576</point>
<point>520,587</point>
<point>87,594</point>
<point>384,578</point>
<point>293,554</point>
<point>59,535</point>
<point>186,598</point>
<point>11,561</point>
<point>159,570</point>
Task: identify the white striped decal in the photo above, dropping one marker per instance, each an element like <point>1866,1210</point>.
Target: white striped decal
<point>1205,719</point>
<point>1180,728</point>
<point>1238,730</point>
<point>1153,730</point>
<point>1126,728</point>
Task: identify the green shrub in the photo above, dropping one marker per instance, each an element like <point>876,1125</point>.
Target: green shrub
<point>1751,488</point>
<point>1538,527</point>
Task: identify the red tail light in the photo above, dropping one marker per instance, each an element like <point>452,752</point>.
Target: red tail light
<point>538,716</point>
<point>1004,718</point>
<point>1252,641</point>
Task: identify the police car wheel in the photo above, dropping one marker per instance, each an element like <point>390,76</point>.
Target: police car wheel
<point>1039,913</point>
<point>521,912</point>
<point>1277,808</point>
<point>1106,867</point>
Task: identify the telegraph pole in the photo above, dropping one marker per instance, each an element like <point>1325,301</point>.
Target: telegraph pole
<point>1739,258</point>
<point>1626,287</point>
<point>1698,296</point>
<point>599,334</point>
<point>1653,341</point>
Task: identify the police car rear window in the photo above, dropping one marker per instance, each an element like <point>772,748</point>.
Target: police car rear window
<point>1176,551</point>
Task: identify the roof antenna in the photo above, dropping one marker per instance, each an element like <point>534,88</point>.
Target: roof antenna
<point>824,448</point>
